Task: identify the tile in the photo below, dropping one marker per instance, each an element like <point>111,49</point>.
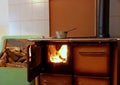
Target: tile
<point>40,1</point>
<point>24,1</point>
<point>13,12</point>
<point>25,12</point>
<point>41,27</point>
<point>46,10</point>
<point>26,17</point>
<point>114,26</point>
<point>40,11</point>
<point>26,27</point>
<point>12,1</point>
<point>114,7</point>
<point>19,1</point>
<point>14,28</point>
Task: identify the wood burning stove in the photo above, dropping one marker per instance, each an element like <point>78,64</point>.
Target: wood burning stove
<point>80,61</point>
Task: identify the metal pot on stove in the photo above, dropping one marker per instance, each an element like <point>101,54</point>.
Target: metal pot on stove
<point>63,34</point>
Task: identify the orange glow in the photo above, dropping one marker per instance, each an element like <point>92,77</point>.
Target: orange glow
<point>59,56</point>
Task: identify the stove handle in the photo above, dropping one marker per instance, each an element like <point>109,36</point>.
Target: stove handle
<point>92,53</point>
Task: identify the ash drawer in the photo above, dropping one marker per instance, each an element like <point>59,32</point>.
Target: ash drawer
<point>91,81</point>
<point>92,59</point>
<point>55,79</point>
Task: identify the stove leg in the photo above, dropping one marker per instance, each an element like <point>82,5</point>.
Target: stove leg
<point>37,80</point>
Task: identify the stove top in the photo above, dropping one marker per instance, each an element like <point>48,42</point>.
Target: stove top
<point>72,39</point>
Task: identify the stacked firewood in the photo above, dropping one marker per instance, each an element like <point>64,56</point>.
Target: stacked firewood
<point>13,57</point>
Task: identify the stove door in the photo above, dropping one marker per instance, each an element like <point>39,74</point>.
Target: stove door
<point>33,61</point>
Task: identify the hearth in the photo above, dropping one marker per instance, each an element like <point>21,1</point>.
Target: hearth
<point>57,58</point>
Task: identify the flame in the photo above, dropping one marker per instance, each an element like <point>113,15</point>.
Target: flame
<point>58,56</point>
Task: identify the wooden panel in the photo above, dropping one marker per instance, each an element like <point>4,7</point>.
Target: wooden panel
<point>67,14</point>
<point>91,81</point>
<point>92,59</point>
<point>47,79</point>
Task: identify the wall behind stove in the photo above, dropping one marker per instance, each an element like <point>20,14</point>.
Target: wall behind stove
<point>3,17</point>
<point>28,17</point>
<point>115,18</point>
<point>68,14</point>
<point>61,21</point>
<point>18,27</point>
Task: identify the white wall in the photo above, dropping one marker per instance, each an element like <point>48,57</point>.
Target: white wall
<point>3,17</point>
<point>28,17</point>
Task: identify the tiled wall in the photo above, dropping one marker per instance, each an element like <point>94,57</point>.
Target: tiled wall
<point>28,17</point>
<point>115,18</point>
<point>32,17</point>
<point>3,17</point>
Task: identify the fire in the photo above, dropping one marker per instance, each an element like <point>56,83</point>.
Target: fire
<point>59,56</point>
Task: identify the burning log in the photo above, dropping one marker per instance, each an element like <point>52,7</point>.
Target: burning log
<point>59,55</point>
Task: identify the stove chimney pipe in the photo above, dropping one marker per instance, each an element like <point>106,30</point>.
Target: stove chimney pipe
<point>103,18</point>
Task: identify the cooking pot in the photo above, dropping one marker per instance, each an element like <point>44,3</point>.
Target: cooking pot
<point>63,34</point>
